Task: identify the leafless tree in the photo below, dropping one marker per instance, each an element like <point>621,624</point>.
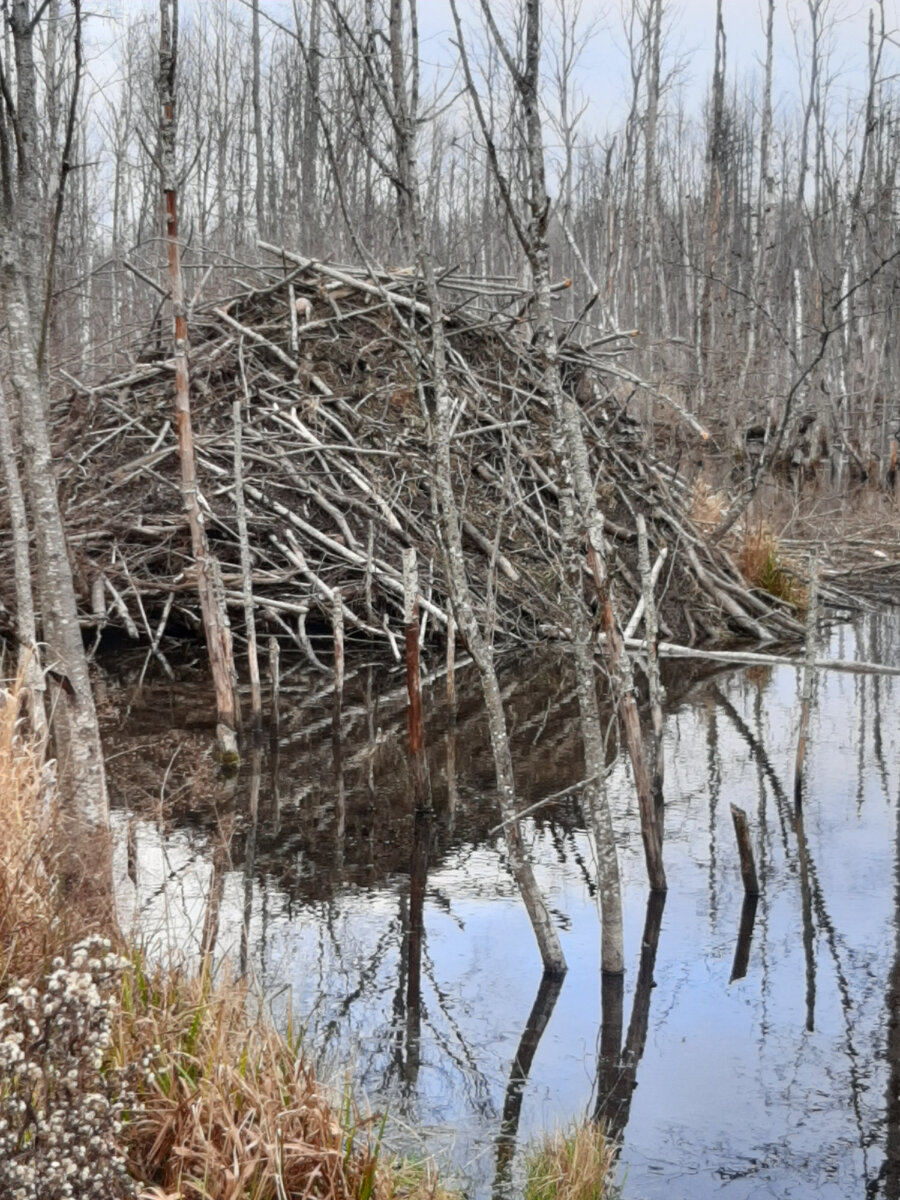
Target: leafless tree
<point>209,581</point>
<point>29,230</point>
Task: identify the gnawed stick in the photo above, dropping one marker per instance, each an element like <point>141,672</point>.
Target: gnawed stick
<point>122,609</point>
<point>745,850</point>
<point>307,644</point>
<point>632,626</point>
<point>275,680</point>
<point>809,671</point>
<point>451,664</point>
<point>420,790</point>
<point>292,309</point>
<point>244,547</point>
<point>253,336</point>
<point>656,690</point>
<point>487,546</point>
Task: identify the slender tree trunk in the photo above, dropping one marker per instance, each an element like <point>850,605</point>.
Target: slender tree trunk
<point>260,194</point>
<point>572,465</point>
<point>757,282</point>
<point>209,579</point>
<point>451,533</point>
<point>75,729</point>
<point>29,654</point>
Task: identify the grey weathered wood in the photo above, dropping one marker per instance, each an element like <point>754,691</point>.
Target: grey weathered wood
<point>745,850</point>
<point>809,672</point>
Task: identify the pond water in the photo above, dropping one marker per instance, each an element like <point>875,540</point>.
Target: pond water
<point>746,1054</point>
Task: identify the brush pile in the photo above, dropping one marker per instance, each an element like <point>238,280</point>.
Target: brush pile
<point>337,466</point>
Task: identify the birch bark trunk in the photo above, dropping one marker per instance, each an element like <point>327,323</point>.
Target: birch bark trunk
<point>25,265</point>
<point>29,655</point>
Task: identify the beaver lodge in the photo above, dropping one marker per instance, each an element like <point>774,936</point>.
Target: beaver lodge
<point>337,470</point>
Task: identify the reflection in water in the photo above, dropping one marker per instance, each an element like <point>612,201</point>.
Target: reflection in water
<point>538,1019</point>
<point>806,905</point>
<point>745,938</point>
<point>399,939</point>
<point>413,925</point>
<point>890,1173</point>
<point>250,854</point>
<point>617,1067</point>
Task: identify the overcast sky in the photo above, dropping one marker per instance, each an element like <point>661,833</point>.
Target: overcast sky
<point>690,41</point>
<point>690,25</point>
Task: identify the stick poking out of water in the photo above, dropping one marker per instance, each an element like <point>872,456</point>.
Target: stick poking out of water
<point>745,850</point>
<point>809,671</point>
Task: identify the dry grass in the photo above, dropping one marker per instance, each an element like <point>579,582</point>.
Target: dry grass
<point>576,1164</point>
<point>231,1107</point>
<point>760,560</point>
<point>707,506</point>
<point>221,1105</point>
<point>29,904</point>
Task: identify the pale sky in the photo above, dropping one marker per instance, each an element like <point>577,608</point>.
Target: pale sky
<point>603,75</point>
<point>691,32</point>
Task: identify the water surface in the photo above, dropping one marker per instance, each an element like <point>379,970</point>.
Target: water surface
<point>762,1065</point>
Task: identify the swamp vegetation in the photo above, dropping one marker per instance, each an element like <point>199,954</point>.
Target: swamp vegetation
<point>490,441</point>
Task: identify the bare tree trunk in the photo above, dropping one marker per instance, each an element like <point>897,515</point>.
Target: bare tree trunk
<point>29,655</point>
<point>401,106</point>
<point>260,195</point>
<point>757,283</point>
<point>572,464</point>
<point>209,580</point>
<point>310,144</point>
<point>26,263</point>
<point>450,527</point>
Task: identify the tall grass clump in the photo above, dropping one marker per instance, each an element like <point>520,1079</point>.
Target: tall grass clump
<point>122,1079</point>
<point>760,560</point>
<point>573,1164</point>
<point>230,1106</point>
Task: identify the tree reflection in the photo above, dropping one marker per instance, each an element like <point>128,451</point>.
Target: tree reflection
<point>745,937</point>
<point>538,1019</point>
<point>890,1169</point>
<point>618,1065</point>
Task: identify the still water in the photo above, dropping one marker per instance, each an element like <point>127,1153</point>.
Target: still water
<point>747,1054</point>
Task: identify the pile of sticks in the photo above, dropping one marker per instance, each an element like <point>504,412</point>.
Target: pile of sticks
<point>336,460</point>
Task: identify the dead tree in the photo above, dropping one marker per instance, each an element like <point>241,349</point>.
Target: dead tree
<point>209,581</point>
<point>26,285</point>
<point>577,507</point>
<point>397,101</point>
